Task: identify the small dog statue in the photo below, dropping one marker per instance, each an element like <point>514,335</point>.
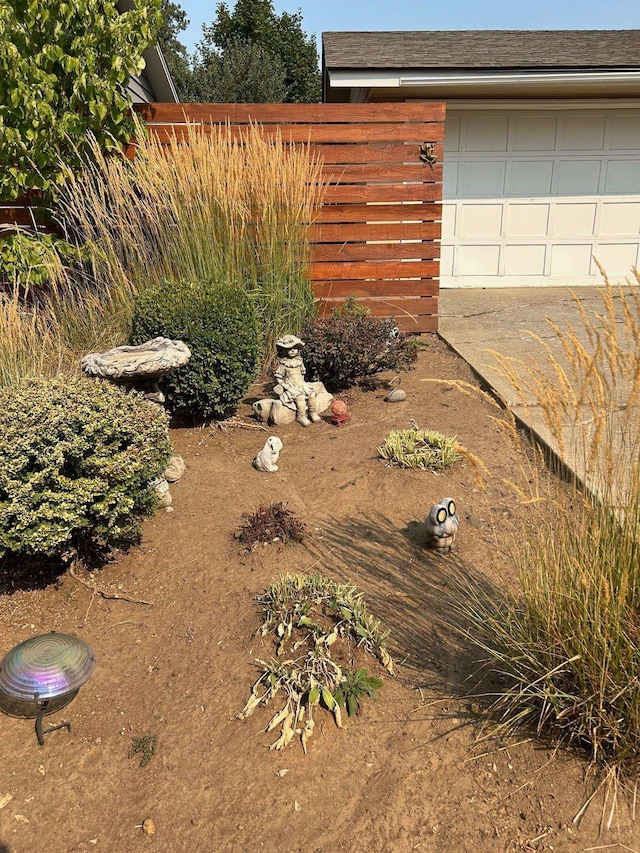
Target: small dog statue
<point>268,456</point>
<point>442,525</point>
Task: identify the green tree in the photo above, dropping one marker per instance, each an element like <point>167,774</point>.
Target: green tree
<point>64,69</point>
<point>244,72</point>
<point>281,36</point>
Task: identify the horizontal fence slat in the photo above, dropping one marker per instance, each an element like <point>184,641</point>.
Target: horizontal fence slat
<point>373,269</point>
<point>423,250</point>
<point>387,173</point>
<point>402,152</point>
<point>370,231</point>
<point>422,211</point>
<point>424,111</point>
<point>418,325</point>
<point>313,133</point>
<point>401,308</point>
<point>344,289</point>
<point>383,192</point>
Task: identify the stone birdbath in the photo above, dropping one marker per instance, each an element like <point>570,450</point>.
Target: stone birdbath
<point>138,367</point>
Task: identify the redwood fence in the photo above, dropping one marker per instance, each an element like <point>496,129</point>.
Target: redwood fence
<point>377,236</point>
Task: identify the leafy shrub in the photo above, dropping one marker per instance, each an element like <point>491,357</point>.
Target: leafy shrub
<point>352,344</point>
<point>76,458</point>
<point>29,260</point>
<point>218,325</point>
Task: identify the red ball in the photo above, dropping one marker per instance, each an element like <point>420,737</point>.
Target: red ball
<point>338,407</point>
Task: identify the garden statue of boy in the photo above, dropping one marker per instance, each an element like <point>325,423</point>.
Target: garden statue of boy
<point>291,388</point>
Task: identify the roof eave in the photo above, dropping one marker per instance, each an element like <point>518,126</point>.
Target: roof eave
<point>464,81</point>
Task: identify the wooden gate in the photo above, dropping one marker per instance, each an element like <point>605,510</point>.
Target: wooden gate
<point>377,236</point>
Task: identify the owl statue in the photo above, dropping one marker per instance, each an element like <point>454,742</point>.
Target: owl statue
<point>442,525</point>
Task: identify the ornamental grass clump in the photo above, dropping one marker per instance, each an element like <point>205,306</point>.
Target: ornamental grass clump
<point>323,633</point>
<point>567,642</point>
<point>76,461</point>
<point>222,204</point>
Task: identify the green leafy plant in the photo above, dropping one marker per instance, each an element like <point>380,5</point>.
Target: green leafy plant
<point>421,448</point>
<point>145,747</point>
<point>76,461</point>
<point>353,689</point>
<point>64,69</point>
<point>315,622</point>
<point>271,523</point>
<point>218,325</point>
<point>352,345</point>
<point>31,260</point>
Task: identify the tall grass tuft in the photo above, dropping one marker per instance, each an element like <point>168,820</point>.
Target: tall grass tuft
<point>219,204</point>
<point>30,343</point>
<point>568,641</point>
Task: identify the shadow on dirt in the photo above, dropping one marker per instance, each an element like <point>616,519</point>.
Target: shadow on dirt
<point>411,590</point>
<point>27,574</point>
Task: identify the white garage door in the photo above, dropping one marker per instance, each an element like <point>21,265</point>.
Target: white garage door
<point>533,197</point>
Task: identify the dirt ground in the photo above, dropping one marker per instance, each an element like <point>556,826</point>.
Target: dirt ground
<point>409,773</point>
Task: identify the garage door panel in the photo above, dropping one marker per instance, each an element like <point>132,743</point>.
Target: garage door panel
<point>574,218</point>
<point>620,218</point>
<point>534,133</point>
<point>528,220</point>
<point>532,195</point>
<point>615,258</point>
<point>483,178</point>
<point>578,177</point>
<point>486,133</point>
<point>623,176</point>
<point>623,133</point>
<point>481,220</point>
<point>530,177</point>
<point>478,260</point>
<point>524,260</point>
<point>569,260</point>
<point>582,133</point>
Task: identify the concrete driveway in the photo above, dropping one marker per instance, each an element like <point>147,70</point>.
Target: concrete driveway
<point>475,322</point>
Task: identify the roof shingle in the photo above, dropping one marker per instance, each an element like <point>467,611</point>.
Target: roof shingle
<point>483,49</point>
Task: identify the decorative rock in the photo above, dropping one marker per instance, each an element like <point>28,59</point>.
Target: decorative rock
<point>162,488</point>
<point>396,395</point>
<point>268,456</point>
<point>175,469</point>
<point>138,367</point>
<point>275,413</point>
<point>442,525</point>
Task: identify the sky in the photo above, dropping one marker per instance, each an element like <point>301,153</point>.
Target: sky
<point>320,16</point>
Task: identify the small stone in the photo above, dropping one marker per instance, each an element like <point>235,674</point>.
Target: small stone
<point>6,798</point>
<point>175,469</point>
<point>396,395</point>
<point>148,827</point>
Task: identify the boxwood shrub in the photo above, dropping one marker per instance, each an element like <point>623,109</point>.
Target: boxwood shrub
<point>218,324</point>
<point>76,459</point>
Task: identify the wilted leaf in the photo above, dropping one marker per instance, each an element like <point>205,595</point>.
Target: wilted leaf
<point>277,718</point>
